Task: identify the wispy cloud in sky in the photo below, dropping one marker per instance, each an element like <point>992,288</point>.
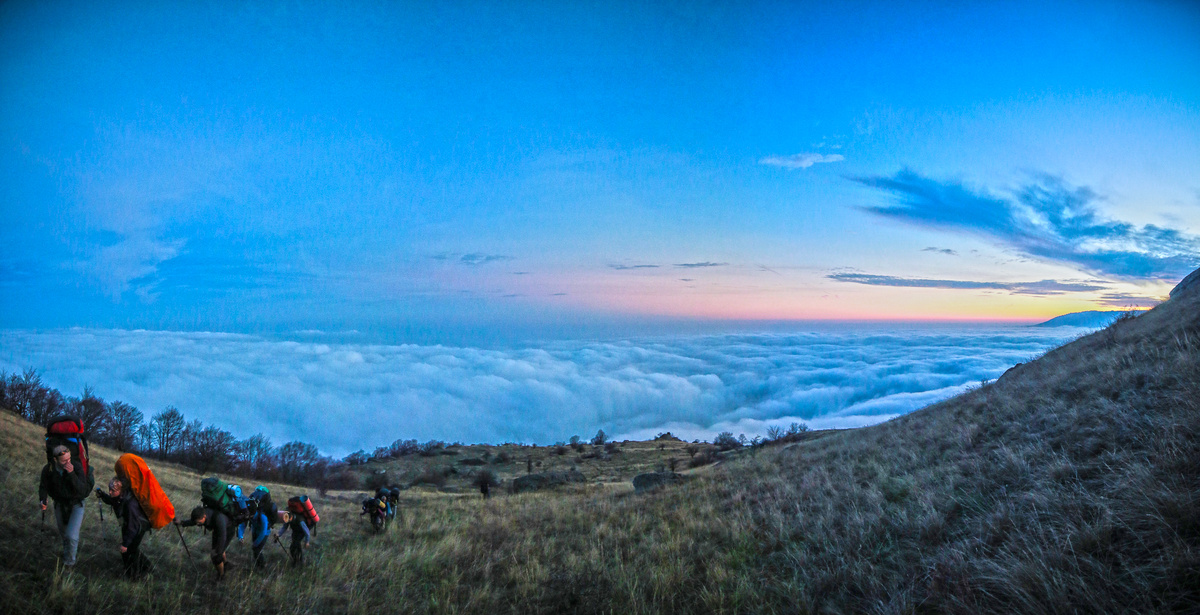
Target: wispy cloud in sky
<point>702,265</point>
<point>800,161</point>
<point>1047,220</point>
<point>1127,300</point>
<point>472,259</point>
<point>1042,287</point>
<point>946,251</point>
<point>347,396</point>
<point>628,267</point>
<point>121,266</point>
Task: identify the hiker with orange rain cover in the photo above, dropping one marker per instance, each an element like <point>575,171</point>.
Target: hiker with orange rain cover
<point>69,484</point>
<point>134,525</point>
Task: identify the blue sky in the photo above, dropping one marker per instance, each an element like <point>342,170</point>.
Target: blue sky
<point>501,166</point>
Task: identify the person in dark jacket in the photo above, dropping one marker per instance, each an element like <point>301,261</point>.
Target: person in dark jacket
<point>69,486</point>
<point>134,525</point>
<point>222,528</point>
<point>300,536</point>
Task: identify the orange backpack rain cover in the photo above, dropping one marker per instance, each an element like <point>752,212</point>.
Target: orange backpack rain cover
<point>145,488</point>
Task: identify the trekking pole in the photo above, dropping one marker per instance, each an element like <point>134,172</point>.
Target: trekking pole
<point>281,547</point>
<point>182,541</point>
<point>100,505</point>
<point>43,517</point>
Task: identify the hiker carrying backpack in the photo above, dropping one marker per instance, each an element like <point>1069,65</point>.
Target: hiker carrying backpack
<point>134,472</point>
<point>377,509</point>
<point>222,528</point>
<point>134,525</point>
<point>67,479</point>
<point>260,526</point>
<point>301,537</point>
<point>302,506</point>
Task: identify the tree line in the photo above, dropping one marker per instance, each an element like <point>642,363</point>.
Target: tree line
<point>168,435</point>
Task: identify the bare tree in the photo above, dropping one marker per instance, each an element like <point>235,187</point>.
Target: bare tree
<point>404,447</point>
<point>166,429</point>
<point>255,455</point>
<point>213,449</point>
<point>188,441</point>
<point>295,459</point>
<point>47,403</point>
<point>23,391</point>
<point>356,458</point>
<point>92,410</point>
<point>123,424</point>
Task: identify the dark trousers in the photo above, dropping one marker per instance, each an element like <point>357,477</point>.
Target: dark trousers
<point>259,560</point>
<point>132,560</point>
<point>297,552</point>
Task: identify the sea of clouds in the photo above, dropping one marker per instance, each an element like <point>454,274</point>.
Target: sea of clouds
<point>344,396</point>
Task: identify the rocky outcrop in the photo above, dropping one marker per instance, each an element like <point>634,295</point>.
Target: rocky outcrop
<point>653,480</point>
<point>537,482</point>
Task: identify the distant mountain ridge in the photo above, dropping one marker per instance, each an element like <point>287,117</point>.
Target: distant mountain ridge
<point>1093,319</point>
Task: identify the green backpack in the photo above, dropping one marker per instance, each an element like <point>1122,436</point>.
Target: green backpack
<point>214,494</point>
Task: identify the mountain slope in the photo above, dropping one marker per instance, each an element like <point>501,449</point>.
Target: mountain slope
<point>1071,484</point>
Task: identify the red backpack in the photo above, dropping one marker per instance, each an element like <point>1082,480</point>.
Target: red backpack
<point>68,431</point>
<point>301,505</point>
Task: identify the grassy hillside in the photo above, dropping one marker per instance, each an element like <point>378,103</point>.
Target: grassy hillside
<point>455,468</point>
<point>1072,484</point>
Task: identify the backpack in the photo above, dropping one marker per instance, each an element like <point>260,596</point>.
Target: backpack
<point>241,508</point>
<point>263,503</point>
<point>146,490</point>
<point>373,506</point>
<point>214,493</point>
<point>220,495</point>
<point>69,431</point>
<point>303,506</point>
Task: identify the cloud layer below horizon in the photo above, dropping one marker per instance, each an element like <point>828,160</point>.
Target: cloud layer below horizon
<point>343,397</point>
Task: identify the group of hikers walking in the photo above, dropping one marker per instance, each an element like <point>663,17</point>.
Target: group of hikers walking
<point>225,512</point>
<point>382,508</point>
<point>140,505</point>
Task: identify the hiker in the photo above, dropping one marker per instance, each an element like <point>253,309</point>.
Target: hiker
<point>300,536</point>
<point>69,484</point>
<point>301,506</point>
<point>385,496</point>
<point>134,525</point>
<point>377,510</point>
<point>485,488</point>
<point>221,525</point>
<point>260,529</point>
<point>260,525</point>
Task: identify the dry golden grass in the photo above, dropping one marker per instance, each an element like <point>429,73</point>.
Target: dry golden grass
<point>1070,485</point>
